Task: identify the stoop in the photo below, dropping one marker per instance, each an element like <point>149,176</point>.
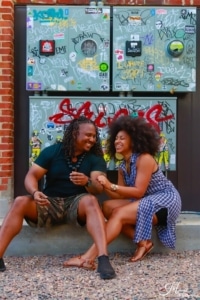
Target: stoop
<point>66,239</point>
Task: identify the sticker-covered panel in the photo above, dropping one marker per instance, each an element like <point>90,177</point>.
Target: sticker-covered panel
<point>154,49</point>
<point>68,48</point>
<point>49,117</point>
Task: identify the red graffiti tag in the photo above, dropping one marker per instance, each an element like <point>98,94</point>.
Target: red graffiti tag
<point>153,115</point>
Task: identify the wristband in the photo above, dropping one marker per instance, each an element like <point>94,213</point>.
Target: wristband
<point>34,193</point>
<point>89,183</point>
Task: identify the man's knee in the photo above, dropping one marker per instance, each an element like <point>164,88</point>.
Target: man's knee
<point>89,200</point>
<point>21,202</point>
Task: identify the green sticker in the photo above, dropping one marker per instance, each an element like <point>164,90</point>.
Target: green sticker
<point>103,67</point>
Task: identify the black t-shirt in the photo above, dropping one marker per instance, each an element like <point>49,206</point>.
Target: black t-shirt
<point>57,182</point>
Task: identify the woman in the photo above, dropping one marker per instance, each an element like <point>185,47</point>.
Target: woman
<point>143,195</point>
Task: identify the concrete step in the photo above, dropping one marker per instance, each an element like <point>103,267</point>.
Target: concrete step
<point>67,239</point>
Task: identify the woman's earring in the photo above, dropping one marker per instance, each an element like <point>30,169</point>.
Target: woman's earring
<point>118,156</point>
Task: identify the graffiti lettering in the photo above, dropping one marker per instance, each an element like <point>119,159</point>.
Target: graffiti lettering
<point>103,118</point>
<point>61,50</point>
<point>47,15</point>
<point>174,82</point>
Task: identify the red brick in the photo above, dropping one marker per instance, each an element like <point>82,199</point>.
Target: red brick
<point>4,10</point>
<point>7,3</point>
<point>5,174</point>
<point>7,153</point>
<point>7,98</point>
<point>110,2</point>
<point>5,78</point>
<point>7,17</point>
<point>8,125</point>
<point>24,1</point>
<point>7,85</point>
<point>48,2</point>
<point>5,51</point>
<point>3,187</point>
<point>7,45</point>
<point>5,24</point>
<point>7,31</point>
<point>6,168</point>
<point>6,160</point>
<point>4,180</point>
<point>8,71</point>
<point>154,2</point>
<point>5,133</point>
<point>4,92</point>
<point>5,119</point>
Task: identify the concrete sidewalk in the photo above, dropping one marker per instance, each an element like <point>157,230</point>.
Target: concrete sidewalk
<point>67,239</point>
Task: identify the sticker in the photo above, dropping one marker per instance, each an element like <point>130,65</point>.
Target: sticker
<point>30,71</point>
<point>31,61</point>
<point>158,76</point>
<point>189,29</point>
<point>119,54</point>
<point>59,36</point>
<point>93,10</point>
<point>136,20</point>
<point>35,86</point>
<point>72,56</point>
<point>29,22</point>
<point>103,67</point>
<point>175,48</point>
<point>150,67</point>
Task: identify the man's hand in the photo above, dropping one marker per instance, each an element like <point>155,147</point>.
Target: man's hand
<point>41,199</point>
<point>78,178</point>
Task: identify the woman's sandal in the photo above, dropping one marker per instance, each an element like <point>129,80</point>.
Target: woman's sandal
<point>80,262</point>
<point>144,252</point>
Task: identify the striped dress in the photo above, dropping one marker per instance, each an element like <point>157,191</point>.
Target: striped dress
<point>160,193</point>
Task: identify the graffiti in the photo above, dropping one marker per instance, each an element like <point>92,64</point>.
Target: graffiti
<point>82,36</point>
<point>188,15</point>
<point>67,113</point>
<point>50,14</point>
<point>148,39</point>
<point>174,82</point>
<point>61,50</point>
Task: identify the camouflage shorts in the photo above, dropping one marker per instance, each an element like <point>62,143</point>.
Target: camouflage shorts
<point>60,211</point>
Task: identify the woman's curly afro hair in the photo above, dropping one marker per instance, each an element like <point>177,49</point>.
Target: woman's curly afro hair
<point>145,137</point>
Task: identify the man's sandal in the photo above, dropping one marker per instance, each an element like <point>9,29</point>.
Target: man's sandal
<point>79,262</point>
<point>143,250</point>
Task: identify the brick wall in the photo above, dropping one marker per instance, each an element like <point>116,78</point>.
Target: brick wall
<point>6,100</point>
<point>7,80</point>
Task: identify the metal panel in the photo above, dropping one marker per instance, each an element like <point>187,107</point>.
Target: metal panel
<point>186,176</point>
<point>154,49</point>
<point>50,115</point>
<point>66,51</point>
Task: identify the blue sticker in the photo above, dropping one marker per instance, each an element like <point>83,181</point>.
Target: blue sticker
<point>30,70</point>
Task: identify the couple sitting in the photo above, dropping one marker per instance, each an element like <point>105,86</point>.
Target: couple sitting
<point>75,171</point>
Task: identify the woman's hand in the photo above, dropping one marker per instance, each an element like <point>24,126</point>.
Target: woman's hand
<point>104,181</point>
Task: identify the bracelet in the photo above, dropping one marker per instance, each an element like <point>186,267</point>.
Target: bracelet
<point>34,193</point>
<point>114,187</point>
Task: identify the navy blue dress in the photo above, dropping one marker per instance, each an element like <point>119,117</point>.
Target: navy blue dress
<point>160,193</point>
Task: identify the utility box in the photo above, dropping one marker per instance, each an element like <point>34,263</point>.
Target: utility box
<point>154,49</point>
<point>68,48</point>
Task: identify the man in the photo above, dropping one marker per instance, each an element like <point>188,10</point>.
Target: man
<point>70,169</point>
